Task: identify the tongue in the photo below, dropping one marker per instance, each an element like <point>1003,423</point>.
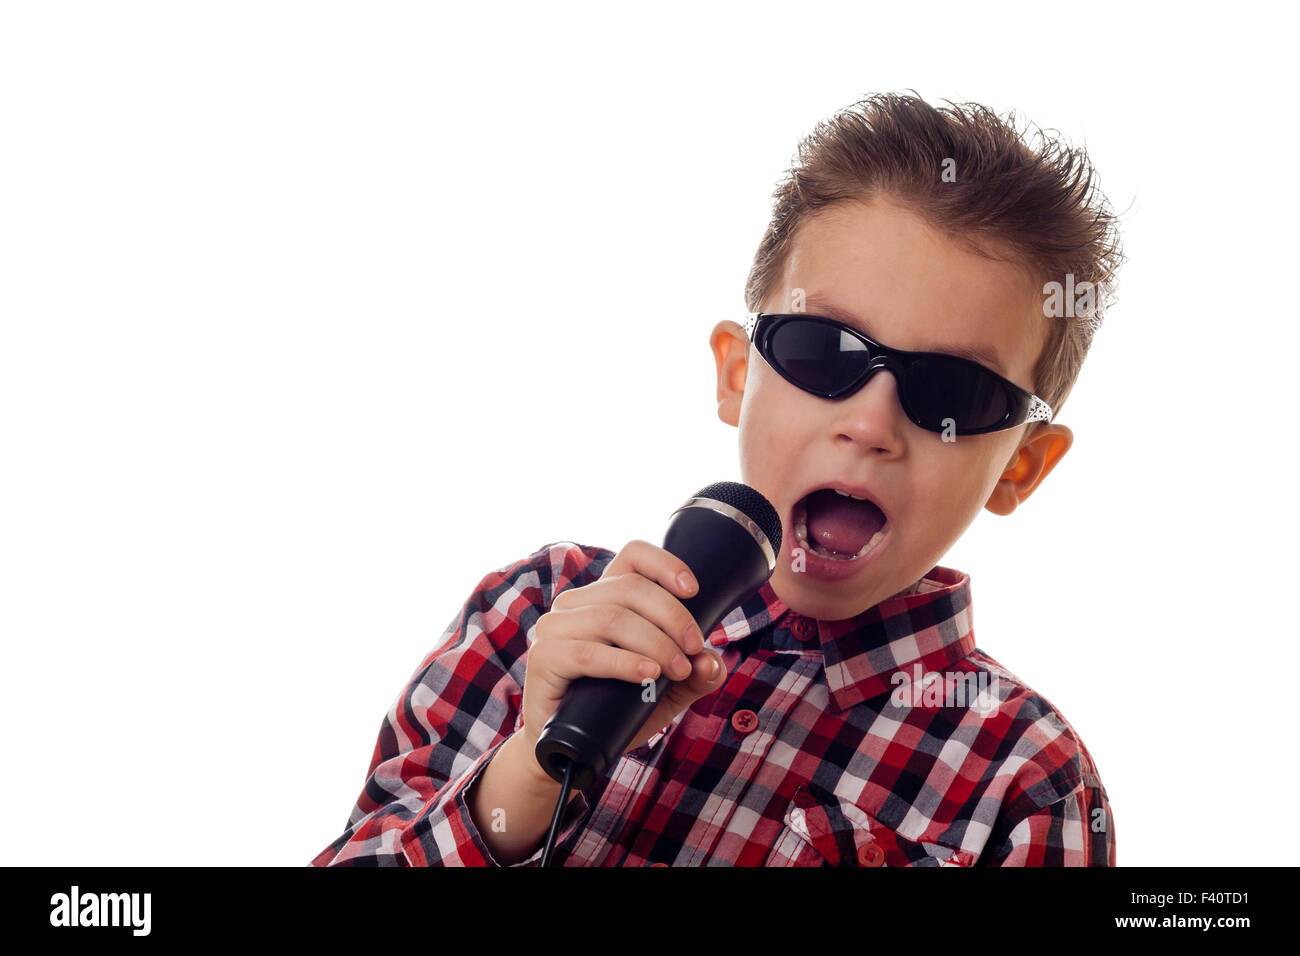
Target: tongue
<point>840,523</point>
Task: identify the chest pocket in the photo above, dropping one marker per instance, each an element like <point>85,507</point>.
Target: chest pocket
<point>824,830</point>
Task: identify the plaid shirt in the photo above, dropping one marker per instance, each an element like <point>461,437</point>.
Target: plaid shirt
<point>885,740</point>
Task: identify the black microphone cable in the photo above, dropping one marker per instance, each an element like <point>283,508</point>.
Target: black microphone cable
<point>559,809</point>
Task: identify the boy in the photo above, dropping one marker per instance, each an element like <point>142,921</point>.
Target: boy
<point>817,724</point>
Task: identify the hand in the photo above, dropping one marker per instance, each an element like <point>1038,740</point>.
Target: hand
<point>632,616</point>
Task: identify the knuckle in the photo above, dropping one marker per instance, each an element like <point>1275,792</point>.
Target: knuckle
<point>613,617</point>
<point>615,577</point>
<point>584,654</point>
<point>642,585</point>
<point>539,657</point>
<point>637,550</point>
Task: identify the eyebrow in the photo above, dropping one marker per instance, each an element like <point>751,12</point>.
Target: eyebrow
<point>974,353</point>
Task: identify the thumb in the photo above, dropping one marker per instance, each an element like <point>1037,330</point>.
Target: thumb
<point>707,674</point>
<point>703,679</point>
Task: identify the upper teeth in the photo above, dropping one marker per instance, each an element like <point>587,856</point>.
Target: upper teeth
<point>847,495</point>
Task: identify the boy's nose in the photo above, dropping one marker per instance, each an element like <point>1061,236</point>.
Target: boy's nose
<point>872,415</point>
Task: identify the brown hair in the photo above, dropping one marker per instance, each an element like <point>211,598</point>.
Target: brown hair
<point>1042,205</point>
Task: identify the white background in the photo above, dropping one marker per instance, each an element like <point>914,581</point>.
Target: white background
<point>312,314</point>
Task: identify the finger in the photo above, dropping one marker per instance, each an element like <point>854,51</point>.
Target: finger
<point>707,675</point>
<point>645,598</point>
<point>566,661</point>
<point>667,570</point>
<point>683,694</point>
<point>616,626</point>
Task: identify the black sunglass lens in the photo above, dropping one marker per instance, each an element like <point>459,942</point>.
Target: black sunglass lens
<point>820,357</point>
<point>939,389</point>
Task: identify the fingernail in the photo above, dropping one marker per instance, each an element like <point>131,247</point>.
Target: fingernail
<point>687,581</point>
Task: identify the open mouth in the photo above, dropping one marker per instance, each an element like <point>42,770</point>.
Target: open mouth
<point>838,526</point>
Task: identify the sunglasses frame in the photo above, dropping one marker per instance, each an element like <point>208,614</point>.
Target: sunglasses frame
<point>1022,406</point>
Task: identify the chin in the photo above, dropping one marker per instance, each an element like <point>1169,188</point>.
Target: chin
<point>831,600</point>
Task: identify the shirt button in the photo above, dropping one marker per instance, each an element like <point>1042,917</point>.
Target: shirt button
<point>744,721</point>
<point>870,854</point>
<point>658,864</point>
<point>804,629</point>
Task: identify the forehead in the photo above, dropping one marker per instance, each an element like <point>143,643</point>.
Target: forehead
<point>883,269</point>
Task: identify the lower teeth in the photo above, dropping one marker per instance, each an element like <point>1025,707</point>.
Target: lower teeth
<point>801,530</point>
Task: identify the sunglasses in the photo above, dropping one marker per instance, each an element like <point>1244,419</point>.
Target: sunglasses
<point>939,392</point>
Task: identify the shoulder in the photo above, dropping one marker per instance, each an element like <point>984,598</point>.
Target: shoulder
<point>1035,745</point>
<point>568,564</point>
<point>498,618</point>
<point>560,565</point>
<point>539,577</point>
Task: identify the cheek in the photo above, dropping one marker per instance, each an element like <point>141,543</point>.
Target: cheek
<point>768,428</point>
<point>955,479</point>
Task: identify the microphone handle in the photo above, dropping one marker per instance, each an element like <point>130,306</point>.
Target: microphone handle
<point>600,716</point>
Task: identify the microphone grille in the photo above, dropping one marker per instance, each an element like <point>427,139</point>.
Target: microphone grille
<point>749,503</point>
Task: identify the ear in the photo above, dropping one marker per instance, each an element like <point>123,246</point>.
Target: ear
<point>730,347</point>
<point>1042,447</point>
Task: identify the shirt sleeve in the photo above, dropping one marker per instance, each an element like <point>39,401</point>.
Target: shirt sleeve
<point>461,705</point>
<point>1076,830</point>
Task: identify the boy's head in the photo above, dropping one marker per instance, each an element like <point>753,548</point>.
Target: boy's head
<point>926,230</point>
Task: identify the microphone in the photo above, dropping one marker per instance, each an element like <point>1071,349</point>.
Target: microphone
<point>729,536</point>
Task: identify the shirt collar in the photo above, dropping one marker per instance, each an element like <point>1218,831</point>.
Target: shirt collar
<point>930,628</point>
